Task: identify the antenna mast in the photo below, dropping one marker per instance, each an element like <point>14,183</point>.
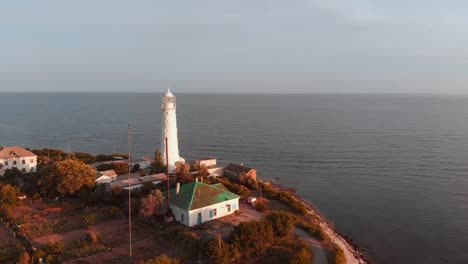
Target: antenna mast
<point>129,193</point>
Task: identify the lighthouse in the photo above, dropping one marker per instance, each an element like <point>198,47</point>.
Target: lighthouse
<point>169,131</point>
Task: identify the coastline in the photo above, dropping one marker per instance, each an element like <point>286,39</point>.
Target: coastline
<point>353,253</point>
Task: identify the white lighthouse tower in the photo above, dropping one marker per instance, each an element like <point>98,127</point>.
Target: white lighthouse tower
<point>169,131</point>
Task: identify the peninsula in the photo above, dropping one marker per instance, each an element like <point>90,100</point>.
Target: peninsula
<point>75,207</point>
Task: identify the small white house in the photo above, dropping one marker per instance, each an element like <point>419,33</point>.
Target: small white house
<point>105,176</point>
<point>208,162</point>
<point>197,202</point>
<point>17,157</point>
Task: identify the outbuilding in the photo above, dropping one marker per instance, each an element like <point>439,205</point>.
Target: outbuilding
<point>197,202</point>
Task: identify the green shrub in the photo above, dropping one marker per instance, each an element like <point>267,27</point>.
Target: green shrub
<point>282,222</point>
<point>261,207</point>
<point>253,238</point>
<point>219,251</point>
<point>113,211</point>
<point>89,220</point>
<point>163,259</point>
<point>338,255</point>
<point>303,256</point>
<point>93,237</point>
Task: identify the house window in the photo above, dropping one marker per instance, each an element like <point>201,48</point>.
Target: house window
<point>23,162</point>
<point>23,170</point>
<point>229,208</point>
<point>6,163</point>
<point>182,217</point>
<point>31,161</point>
<point>214,212</point>
<point>234,206</point>
<point>14,162</point>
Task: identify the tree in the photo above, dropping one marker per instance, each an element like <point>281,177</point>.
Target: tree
<point>153,205</point>
<point>8,195</point>
<point>11,176</point>
<point>282,222</point>
<point>202,171</point>
<point>157,166</point>
<point>182,172</point>
<point>67,177</point>
<point>120,167</point>
<point>219,251</point>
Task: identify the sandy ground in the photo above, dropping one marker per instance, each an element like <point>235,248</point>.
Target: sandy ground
<point>102,228</point>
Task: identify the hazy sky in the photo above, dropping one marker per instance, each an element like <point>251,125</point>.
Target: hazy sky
<point>416,46</point>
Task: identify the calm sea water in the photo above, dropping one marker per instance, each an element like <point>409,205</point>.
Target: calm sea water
<point>389,171</point>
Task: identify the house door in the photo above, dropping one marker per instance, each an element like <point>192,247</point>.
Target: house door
<point>199,221</point>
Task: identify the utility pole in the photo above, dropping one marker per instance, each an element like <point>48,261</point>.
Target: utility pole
<point>129,193</point>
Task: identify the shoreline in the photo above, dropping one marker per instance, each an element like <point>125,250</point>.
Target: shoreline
<point>352,251</point>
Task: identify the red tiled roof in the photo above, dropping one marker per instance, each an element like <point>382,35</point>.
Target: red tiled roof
<point>14,152</point>
<point>237,168</point>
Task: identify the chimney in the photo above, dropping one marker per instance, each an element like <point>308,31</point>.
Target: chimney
<point>178,188</point>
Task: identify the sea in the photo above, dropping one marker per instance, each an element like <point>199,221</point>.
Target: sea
<point>389,171</point>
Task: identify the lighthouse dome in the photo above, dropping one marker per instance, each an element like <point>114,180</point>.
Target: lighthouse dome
<point>169,94</point>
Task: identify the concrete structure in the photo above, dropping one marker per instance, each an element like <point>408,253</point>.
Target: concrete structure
<point>169,131</point>
<point>137,182</point>
<point>197,202</point>
<point>236,171</point>
<point>105,176</point>
<point>17,157</point>
<point>208,162</point>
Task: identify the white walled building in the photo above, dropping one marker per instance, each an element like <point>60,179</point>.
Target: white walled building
<point>169,131</point>
<point>17,157</point>
<point>197,202</point>
<point>105,176</point>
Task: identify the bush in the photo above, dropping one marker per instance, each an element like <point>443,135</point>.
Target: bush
<point>89,220</point>
<point>113,211</point>
<point>338,255</point>
<point>219,251</point>
<point>93,237</point>
<point>282,222</point>
<point>163,259</point>
<point>261,207</point>
<point>253,238</point>
<point>315,230</point>
<point>303,256</point>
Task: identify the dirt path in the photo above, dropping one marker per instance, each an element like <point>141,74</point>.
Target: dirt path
<point>102,228</point>
<point>320,257</point>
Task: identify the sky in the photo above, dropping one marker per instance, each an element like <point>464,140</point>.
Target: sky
<point>237,46</point>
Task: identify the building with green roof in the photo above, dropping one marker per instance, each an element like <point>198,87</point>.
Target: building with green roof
<point>197,202</point>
